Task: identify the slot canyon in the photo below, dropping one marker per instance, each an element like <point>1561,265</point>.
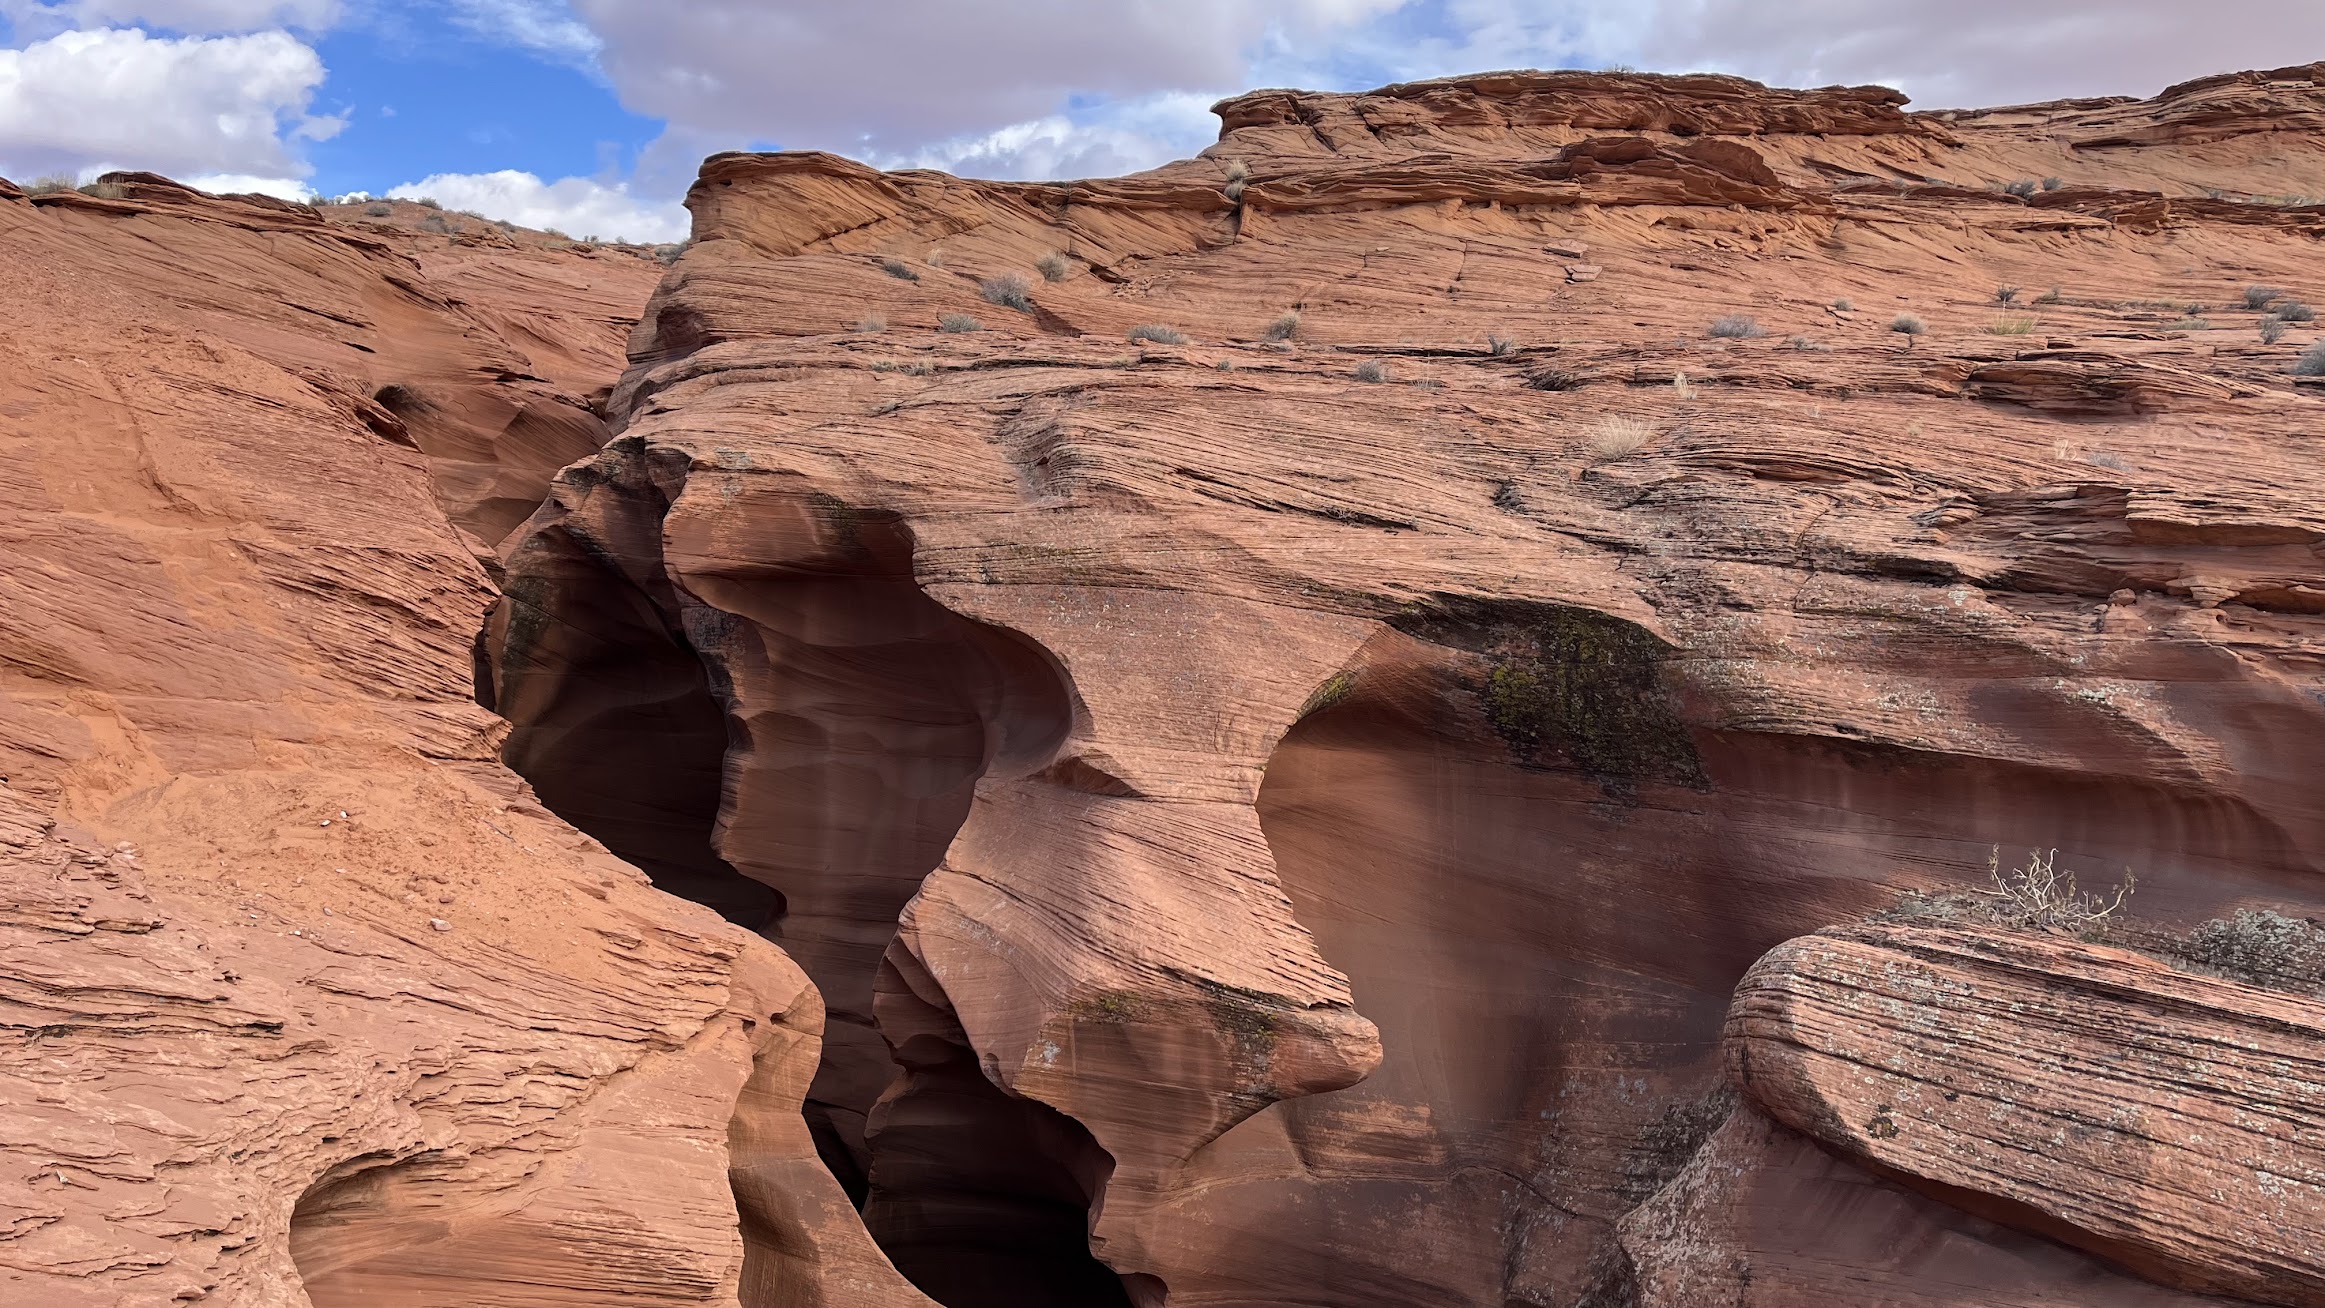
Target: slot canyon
<point>1341,743</point>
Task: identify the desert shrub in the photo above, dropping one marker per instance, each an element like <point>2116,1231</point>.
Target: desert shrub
<point>935,259</point>
<point>1736,326</point>
<point>2106,459</point>
<point>1372,370</point>
<point>958,322</point>
<point>1506,497</point>
<point>2311,364</point>
<point>872,322</point>
<point>1844,306</point>
<point>2260,297</point>
<point>1009,291</point>
<point>1054,267</point>
<point>378,210</point>
<point>48,185</point>
<point>2260,947</point>
<point>1805,345</point>
<point>104,191</point>
<point>2295,311</point>
<point>437,223</point>
<point>1552,379</point>
<point>2189,325</point>
<point>1285,327</point>
<point>427,202</point>
<point>2053,183</point>
<point>1619,436</point>
<point>2022,188</point>
<point>1500,346</point>
<point>1908,325</point>
<point>2005,294</point>
<point>1681,386</point>
<point>2012,327</point>
<point>1157,333</point>
<point>2041,897</point>
<point>2052,296</point>
<point>1238,177</point>
<point>668,254</point>
<point>2272,330</point>
<point>897,268</point>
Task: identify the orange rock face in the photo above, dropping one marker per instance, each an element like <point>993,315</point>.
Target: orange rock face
<point>307,1000</point>
<point>1272,702</point>
<point>1277,698</point>
<point>2165,1121</point>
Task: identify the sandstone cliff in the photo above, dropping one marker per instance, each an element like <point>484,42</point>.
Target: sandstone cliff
<point>1300,787</point>
<point>1275,701</point>
<point>307,1000</point>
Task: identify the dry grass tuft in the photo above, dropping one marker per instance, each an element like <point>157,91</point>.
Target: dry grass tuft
<point>1620,436</point>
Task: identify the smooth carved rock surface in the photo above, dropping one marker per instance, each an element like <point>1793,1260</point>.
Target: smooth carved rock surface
<point>306,1000</point>
<point>1299,799</point>
<point>2169,1122</point>
<point>1763,1216</point>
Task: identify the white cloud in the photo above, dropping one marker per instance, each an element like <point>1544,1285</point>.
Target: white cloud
<point>189,105</point>
<point>576,206</point>
<point>546,26</point>
<point>1108,141</point>
<point>204,17</point>
<point>890,79</point>
<point>282,188</point>
<point>1980,52</point>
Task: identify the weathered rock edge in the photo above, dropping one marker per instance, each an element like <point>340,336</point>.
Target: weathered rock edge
<point>2171,1123</point>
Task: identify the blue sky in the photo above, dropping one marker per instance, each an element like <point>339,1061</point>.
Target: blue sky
<point>591,115</point>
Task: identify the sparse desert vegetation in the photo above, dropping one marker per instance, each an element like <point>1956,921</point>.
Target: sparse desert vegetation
<point>1008,290</point>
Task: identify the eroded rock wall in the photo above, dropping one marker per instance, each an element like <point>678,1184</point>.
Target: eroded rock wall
<point>308,1001</point>
<point>1452,639</point>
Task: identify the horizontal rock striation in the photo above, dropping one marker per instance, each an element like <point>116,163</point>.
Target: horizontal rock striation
<point>305,1000</point>
<point>2167,1122</point>
<point>1429,626</point>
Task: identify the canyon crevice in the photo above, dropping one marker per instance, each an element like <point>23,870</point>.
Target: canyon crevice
<point>1319,725</point>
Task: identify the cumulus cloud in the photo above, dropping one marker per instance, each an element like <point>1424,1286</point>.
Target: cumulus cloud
<point>893,78</point>
<point>201,17</point>
<point>1967,53</point>
<point>574,205</point>
<point>1104,142</point>
<point>82,101</point>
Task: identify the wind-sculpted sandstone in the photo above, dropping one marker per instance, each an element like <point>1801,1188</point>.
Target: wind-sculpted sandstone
<point>306,1000</point>
<point>2166,1121</point>
<point>1276,698</point>
<point>1222,737</point>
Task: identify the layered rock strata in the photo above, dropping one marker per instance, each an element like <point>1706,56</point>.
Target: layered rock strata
<point>2167,1122</point>
<point>1277,697</point>
<point>307,1001</point>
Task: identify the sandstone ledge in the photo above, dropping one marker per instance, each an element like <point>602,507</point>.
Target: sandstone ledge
<point>2170,1123</point>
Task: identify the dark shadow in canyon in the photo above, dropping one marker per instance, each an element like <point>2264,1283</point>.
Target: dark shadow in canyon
<point>779,723</point>
<point>1544,875</point>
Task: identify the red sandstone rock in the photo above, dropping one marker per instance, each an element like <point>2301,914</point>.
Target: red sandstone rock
<point>2168,1122</point>
<point>1123,733</point>
<point>308,1001</point>
<point>1274,818</point>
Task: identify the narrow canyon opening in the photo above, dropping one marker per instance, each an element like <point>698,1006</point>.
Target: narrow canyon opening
<point>795,742</point>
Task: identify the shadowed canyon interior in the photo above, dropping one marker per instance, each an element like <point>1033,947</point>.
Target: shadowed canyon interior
<point>1345,742</point>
